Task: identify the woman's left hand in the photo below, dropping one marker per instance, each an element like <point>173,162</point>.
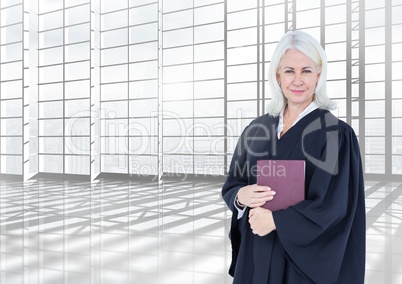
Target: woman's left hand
<point>261,221</point>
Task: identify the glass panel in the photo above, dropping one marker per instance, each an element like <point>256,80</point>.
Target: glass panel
<point>169,6</point>
<point>77,15</point>
<point>275,14</point>
<point>144,165</point>
<point>375,54</point>
<point>51,163</point>
<point>209,89</point>
<point>179,109</point>
<point>242,73</point>
<point>109,6</point>
<point>144,70</point>
<point>114,164</point>
<point>51,145</point>
<point>77,165</point>
<point>242,109</point>
<point>146,51</point>
<point>11,165</point>
<point>51,74</point>
<point>243,37</point>
<point>143,108</point>
<point>114,38</point>
<point>51,21</point>
<point>241,55</point>
<point>11,89</point>
<point>144,14</point>
<point>375,127</point>
<point>11,108</point>
<point>180,91</point>
<point>396,126</point>
<point>375,72</point>
<point>114,73</point>
<point>76,52</point>
<point>209,70</point>
<point>335,33</point>
<point>50,109</point>
<point>205,108</point>
<point>335,14</point>
<point>209,14</point>
<point>11,34</point>
<point>11,52</point>
<point>51,38</point>
<point>375,164</point>
<point>115,109</point>
<point>144,89</point>
<point>114,20</point>
<point>114,91</point>
<point>210,51</point>
<point>51,127</point>
<point>11,71</point>
<point>310,18</point>
<point>242,19</point>
<point>79,89</point>
<point>180,73</point>
<point>51,56</point>
<point>178,55</point>
<point>178,38</point>
<point>11,126</point>
<point>375,18</point>
<point>11,15</point>
<point>80,70</point>
<point>77,33</point>
<point>375,109</point>
<point>375,145</point>
<point>78,145</point>
<point>77,107</point>
<point>396,165</point>
<point>51,91</point>
<point>236,5</point>
<point>242,91</point>
<point>143,33</point>
<point>209,33</point>
<point>115,55</point>
<point>11,145</point>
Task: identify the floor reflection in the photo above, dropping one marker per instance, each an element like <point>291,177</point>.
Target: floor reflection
<point>113,231</point>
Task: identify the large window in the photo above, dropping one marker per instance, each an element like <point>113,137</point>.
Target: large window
<point>149,87</point>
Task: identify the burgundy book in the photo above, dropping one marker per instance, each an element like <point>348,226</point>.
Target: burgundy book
<point>286,178</point>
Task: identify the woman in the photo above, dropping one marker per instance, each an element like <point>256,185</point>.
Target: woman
<point>320,239</point>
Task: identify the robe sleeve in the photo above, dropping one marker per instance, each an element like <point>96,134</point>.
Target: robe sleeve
<point>316,232</point>
<point>236,179</point>
<point>237,175</point>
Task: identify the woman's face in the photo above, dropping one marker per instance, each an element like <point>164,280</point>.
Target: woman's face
<point>297,76</point>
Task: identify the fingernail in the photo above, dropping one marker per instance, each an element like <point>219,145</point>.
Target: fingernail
<point>273,192</point>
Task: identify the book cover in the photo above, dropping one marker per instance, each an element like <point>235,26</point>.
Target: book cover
<point>286,178</point>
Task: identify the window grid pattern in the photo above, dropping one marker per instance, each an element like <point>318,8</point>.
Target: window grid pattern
<point>129,58</point>
<point>395,86</point>
<point>193,87</point>
<point>12,70</point>
<point>99,69</point>
<point>64,87</point>
<point>375,80</point>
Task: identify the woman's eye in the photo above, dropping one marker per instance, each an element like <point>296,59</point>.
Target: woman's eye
<point>307,71</point>
<point>288,71</point>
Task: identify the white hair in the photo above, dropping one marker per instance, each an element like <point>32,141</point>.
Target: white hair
<point>309,46</point>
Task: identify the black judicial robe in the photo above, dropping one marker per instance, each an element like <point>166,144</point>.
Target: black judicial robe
<point>319,240</point>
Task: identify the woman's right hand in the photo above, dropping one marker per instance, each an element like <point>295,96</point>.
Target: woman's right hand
<point>255,195</point>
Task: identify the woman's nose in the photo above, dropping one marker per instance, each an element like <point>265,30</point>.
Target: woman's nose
<point>298,81</point>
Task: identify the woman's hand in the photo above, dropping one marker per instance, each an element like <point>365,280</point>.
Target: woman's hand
<point>255,195</point>
<point>261,221</point>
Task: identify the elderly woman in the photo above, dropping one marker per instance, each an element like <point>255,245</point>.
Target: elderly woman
<point>322,238</point>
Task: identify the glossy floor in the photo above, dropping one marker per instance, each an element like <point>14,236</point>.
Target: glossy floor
<point>114,231</point>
